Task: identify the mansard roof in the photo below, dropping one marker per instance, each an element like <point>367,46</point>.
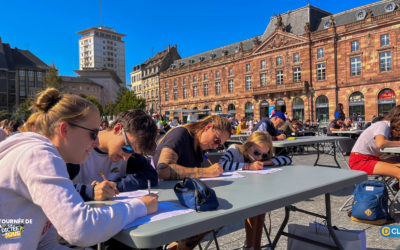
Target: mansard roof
<point>350,16</point>
<point>13,58</point>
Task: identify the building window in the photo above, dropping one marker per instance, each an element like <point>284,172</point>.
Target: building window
<point>230,71</point>
<point>297,74</point>
<point>248,83</point>
<point>247,67</point>
<point>230,86</point>
<point>205,77</point>
<point>279,77</point>
<point>39,74</point>
<point>21,73</point>
<point>385,61</point>
<point>320,53</point>
<point>263,64</point>
<point>40,84</point>
<point>22,88</point>
<point>205,88</point>
<point>298,109</point>
<point>386,101</point>
<point>194,91</point>
<point>174,82</point>
<point>231,109</point>
<point>279,61</point>
<point>184,93</point>
<point>385,40</point>
<point>263,80</point>
<point>296,57</point>
<point>194,78</point>
<point>217,74</point>
<point>322,109</point>
<point>166,95</point>
<point>166,85</point>
<point>355,46</point>
<point>217,88</point>
<point>184,80</point>
<point>249,111</point>
<point>355,66</point>
<point>218,109</point>
<point>31,74</point>
<point>320,71</point>
<point>175,94</point>
<point>356,104</point>
<point>31,84</point>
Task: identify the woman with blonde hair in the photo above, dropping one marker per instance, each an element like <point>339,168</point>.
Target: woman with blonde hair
<point>253,154</point>
<point>35,186</point>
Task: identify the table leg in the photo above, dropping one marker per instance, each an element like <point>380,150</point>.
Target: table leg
<point>282,227</point>
<point>334,154</point>
<point>100,246</point>
<point>316,161</point>
<point>329,221</point>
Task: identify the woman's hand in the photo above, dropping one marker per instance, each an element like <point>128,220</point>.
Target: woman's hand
<point>212,171</point>
<point>257,165</point>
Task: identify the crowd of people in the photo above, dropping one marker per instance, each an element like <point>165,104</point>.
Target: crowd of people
<point>63,156</point>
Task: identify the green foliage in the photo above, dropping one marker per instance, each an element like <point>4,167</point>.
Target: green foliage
<point>121,92</point>
<point>95,102</point>
<point>130,101</point>
<point>4,114</point>
<point>51,79</point>
<point>23,111</point>
<point>109,109</point>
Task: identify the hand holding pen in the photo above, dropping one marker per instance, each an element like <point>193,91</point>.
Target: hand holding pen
<point>213,170</point>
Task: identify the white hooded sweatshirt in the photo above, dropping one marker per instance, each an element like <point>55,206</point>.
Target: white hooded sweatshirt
<point>35,188</point>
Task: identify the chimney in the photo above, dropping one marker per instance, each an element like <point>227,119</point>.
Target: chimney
<point>169,47</point>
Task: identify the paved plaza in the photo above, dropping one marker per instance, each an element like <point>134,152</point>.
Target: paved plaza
<point>233,237</point>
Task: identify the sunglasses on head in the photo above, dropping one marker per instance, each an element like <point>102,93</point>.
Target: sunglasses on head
<point>264,157</point>
<point>93,132</point>
<point>127,147</point>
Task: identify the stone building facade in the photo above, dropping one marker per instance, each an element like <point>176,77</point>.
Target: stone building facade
<point>306,62</point>
<point>145,78</point>
<point>83,86</point>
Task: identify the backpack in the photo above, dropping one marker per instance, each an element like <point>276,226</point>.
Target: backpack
<point>370,204</point>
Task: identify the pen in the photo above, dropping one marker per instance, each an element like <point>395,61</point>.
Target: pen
<point>149,186</point>
<point>252,158</point>
<point>205,156</point>
<point>105,179</point>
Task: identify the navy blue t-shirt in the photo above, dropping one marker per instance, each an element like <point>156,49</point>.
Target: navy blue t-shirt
<point>182,143</point>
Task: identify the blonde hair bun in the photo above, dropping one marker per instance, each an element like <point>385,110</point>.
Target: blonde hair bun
<point>47,99</point>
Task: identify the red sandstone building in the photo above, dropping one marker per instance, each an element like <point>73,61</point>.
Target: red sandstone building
<point>306,61</point>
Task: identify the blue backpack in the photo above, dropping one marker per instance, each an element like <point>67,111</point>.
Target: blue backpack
<point>370,204</point>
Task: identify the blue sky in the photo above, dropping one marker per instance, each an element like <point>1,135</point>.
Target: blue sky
<point>48,28</point>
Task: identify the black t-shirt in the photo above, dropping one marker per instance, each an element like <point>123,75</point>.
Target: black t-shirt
<point>182,143</point>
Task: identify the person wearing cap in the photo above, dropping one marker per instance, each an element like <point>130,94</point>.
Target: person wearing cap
<point>272,125</point>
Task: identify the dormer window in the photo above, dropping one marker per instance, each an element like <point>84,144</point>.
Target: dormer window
<point>361,15</point>
<point>390,7</point>
<point>327,24</point>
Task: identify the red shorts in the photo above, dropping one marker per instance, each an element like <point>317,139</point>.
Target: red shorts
<point>362,162</point>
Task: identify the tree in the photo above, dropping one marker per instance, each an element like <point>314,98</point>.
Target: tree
<point>23,111</point>
<point>95,102</point>
<point>109,109</point>
<point>121,92</point>
<point>51,79</point>
<point>4,114</point>
<point>130,101</point>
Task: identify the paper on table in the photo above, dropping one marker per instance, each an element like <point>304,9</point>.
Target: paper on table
<point>166,210</point>
<point>132,194</point>
<point>264,171</point>
<point>225,175</point>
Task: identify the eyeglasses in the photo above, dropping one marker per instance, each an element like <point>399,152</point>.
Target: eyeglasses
<point>217,139</point>
<point>127,148</point>
<point>264,157</point>
<point>93,132</point>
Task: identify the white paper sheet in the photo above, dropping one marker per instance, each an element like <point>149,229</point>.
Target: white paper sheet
<point>133,194</point>
<point>264,171</point>
<point>225,175</point>
<point>166,210</point>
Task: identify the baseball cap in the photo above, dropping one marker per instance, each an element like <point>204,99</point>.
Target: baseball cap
<point>280,115</point>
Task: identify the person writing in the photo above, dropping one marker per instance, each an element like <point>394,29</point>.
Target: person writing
<point>35,185</point>
<point>254,154</point>
<point>365,155</point>
<point>272,126</point>
<point>180,152</point>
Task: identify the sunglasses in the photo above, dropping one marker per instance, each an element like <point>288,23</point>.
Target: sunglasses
<point>127,147</point>
<point>264,157</point>
<point>93,132</point>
